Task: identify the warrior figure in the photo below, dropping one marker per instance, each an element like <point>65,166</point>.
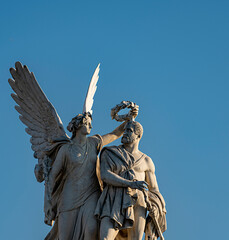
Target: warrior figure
<point>130,189</point>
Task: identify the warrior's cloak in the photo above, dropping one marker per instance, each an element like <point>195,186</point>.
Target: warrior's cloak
<point>117,203</point>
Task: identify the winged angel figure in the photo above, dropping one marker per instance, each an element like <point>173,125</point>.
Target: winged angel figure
<point>69,166</point>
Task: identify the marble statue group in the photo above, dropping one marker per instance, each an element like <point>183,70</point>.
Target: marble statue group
<point>91,191</point>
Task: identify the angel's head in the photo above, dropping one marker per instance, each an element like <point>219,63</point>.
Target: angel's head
<point>82,123</point>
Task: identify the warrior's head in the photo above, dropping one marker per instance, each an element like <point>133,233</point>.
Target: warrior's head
<point>82,123</point>
<point>133,132</point>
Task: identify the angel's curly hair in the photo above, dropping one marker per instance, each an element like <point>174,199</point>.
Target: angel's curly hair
<point>77,122</point>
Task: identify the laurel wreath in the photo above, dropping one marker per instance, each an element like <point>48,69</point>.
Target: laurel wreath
<point>125,117</point>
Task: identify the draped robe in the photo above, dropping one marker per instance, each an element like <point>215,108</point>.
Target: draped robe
<point>117,203</point>
<point>75,189</point>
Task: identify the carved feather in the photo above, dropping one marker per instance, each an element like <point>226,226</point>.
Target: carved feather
<point>37,141</point>
<point>91,91</point>
<point>36,111</point>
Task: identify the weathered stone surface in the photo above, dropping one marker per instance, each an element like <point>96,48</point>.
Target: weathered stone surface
<point>72,174</point>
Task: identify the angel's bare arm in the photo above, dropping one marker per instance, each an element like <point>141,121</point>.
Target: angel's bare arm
<point>57,167</point>
<point>117,133</point>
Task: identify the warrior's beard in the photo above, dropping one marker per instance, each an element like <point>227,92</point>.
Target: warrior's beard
<point>126,139</point>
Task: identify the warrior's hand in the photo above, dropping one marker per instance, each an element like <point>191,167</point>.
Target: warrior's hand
<point>140,185</point>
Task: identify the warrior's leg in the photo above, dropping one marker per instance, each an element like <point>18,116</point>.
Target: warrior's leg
<point>137,231</point>
<point>107,231</point>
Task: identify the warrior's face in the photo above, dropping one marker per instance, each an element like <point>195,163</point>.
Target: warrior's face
<point>86,126</point>
<point>129,135</point>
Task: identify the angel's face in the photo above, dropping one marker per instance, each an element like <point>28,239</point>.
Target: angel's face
<point>86,126</point>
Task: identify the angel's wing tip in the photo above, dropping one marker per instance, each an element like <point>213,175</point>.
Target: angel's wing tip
<point>10,80</point>
<point>18,63</point>
<point>11,70</point>
<point>18,66</point>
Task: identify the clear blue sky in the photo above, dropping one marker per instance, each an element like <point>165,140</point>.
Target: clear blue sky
<point>170,57</point>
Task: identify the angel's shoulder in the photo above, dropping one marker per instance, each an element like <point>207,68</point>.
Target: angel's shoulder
<point>64,149</point>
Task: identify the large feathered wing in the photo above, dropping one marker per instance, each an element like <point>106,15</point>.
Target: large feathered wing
<point>91,91</point>
<point>36,112</point>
